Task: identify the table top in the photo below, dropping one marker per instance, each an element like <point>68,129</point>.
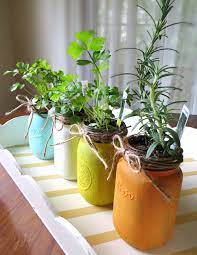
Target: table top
<point>21,231</point>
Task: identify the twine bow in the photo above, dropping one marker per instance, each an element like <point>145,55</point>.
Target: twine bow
<point>132,159</point>
<point>87,138</point>
<point>134,164</point>
<point>24,101</point>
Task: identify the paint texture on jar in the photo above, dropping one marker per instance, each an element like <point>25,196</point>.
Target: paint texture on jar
<point>39,133</point>
<point>65,152</point>
<point>141,215</point>
<point>92,175</point>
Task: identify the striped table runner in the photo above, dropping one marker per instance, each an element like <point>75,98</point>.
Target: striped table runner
<point>95,223</point>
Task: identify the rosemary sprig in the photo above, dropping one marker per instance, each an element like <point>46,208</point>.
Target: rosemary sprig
<point>154,112</point>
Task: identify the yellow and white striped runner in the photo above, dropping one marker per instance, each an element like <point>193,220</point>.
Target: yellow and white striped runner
<point>95,223</point>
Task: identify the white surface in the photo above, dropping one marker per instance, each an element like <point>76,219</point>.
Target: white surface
<point>65,155</point>
<point>56,184</point>
<point>81,223</point>
<point>13,131</point>
<point>71,202</point>
<point>189,143</point>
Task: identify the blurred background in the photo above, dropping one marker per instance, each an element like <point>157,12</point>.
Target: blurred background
<point>31,29</point>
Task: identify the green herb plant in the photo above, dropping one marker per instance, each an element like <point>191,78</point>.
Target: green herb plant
<point>89,49</point>
<point>68,98</point>
<point>36,81</point>
<point>154,113</point>
<point>50,90</point>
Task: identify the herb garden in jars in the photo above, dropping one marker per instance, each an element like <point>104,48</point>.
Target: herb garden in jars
<point>74,122</point>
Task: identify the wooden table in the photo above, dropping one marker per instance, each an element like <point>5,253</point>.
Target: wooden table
<point>192,122</point>
<point>21,230</point>
<point>20,112</point>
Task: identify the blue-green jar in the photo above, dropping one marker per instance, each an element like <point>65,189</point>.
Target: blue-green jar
<point>39,133</point>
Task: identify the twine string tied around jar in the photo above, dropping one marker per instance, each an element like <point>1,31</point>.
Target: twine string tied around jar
<point>54,125</point>
<point>25,101</point>
<point>134,163</point>
<point>81,132</point>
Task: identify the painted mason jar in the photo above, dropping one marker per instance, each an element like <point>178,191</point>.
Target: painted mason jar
<point>145,204</point>
<point>39,133</point>
<point>65,150</point>
<point>91,173</point>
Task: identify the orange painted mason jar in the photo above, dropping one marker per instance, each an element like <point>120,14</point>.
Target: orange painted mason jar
<point>142,216</point>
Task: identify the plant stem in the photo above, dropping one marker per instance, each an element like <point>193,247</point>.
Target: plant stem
<point>102,82</point>
<point>156,115</point>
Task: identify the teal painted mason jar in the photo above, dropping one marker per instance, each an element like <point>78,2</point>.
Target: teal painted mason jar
<point>39,133</point>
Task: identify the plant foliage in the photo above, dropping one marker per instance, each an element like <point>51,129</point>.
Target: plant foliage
<point>154,112</point>
<point>68,98</point>
<point>89,49</point>
<point>36,81</point>
<point>50,90</point>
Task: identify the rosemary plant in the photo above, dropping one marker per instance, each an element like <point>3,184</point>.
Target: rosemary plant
<point>154,112</point>
<point>89,49</point>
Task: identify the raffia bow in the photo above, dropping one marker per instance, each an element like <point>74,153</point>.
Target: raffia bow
<point>25,101</point>
<point>134,164</point>
<point>87,138</point>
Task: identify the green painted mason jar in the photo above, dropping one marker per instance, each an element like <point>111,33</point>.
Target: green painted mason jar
<point>91,173</point>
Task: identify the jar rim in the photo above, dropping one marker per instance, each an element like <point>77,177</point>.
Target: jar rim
<point>153,164</point>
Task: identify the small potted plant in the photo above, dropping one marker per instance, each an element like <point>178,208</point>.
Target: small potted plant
<point>95,151</point>
<point>148,176</point>
<point>67,99</point>
<point>37,79</point>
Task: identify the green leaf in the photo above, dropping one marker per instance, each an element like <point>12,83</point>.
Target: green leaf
<point>16,86</point>
<point>55,97</point>
<point>75,50</point>
<point>176,102</point>
<point>174,135</point>
<point>151,149</point>
<point>118,122</point>
<point>69,77</point>
<point>85,37</point>
<point>8,72</point>
<point>169,87</point>
<point>83,62</point>
<point>103,66</point>
<point>41,64</point>
<point>97,44</point>
<point>104,55</point>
